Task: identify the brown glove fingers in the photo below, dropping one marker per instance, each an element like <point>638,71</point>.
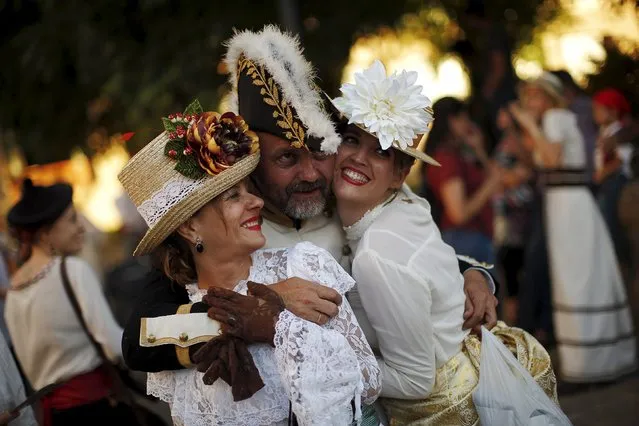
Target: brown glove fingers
<point>262,291</point>
<point>207,352</point>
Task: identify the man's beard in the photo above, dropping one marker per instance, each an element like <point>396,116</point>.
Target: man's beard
<point>306,208</point>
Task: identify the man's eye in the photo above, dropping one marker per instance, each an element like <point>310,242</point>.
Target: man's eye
<point>320,155</point>
<point>350,140</point>
<point>286,159</point>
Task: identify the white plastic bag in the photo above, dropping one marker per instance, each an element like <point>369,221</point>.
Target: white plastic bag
<point>507,394</point>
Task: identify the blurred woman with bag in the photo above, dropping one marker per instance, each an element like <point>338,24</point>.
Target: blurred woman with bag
<point>50,342</point>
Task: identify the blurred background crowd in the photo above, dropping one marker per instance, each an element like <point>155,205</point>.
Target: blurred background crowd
<point>78,77</point>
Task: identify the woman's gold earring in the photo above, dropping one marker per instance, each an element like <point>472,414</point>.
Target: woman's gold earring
<point>199,247</point>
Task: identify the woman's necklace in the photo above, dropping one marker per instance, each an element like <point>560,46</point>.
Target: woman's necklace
<point>37,277</point>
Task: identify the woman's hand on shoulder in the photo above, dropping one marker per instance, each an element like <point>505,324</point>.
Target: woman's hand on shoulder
<point>310,301</point>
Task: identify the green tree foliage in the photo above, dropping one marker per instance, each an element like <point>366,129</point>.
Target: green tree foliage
<point>74,68</point>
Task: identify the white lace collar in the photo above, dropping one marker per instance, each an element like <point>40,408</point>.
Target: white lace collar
<point>355,232</point>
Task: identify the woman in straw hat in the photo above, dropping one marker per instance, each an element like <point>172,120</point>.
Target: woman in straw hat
<point>410,295</point>
<point>190,186</point>
<point>593,327</point>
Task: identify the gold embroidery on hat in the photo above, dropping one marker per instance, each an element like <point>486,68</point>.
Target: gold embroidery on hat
<point>293,130</point>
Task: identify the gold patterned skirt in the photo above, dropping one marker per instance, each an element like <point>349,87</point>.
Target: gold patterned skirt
<point>451,402</point>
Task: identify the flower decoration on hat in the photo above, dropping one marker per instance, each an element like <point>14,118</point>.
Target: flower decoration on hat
<point>392,108</point>
<point>204,143</point>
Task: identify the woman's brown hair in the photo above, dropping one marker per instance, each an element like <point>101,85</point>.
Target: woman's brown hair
<point>403,161</point>
<point>175,259</point>
<point>174,256</point>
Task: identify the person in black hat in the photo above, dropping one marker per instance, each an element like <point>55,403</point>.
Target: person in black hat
<point>49,340</point>
<point>33,217</point>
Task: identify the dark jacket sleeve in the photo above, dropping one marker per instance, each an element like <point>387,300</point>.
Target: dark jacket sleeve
<point>160,297</point>
<point>463,266</point>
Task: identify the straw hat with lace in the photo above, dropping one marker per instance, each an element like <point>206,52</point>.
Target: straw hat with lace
<point>197,157</point>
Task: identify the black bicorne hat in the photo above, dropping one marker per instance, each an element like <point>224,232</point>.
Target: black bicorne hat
<point>40,205</point>
<point>274,89</point>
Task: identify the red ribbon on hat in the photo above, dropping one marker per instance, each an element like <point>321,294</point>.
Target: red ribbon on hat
<point>613,99</point>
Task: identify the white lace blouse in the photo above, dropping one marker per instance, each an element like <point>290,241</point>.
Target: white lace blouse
<point>320,370</point>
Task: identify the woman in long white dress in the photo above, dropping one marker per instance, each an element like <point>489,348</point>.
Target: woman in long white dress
<point>261,363</point>
<point>408,282</point>
<point>592,321</point>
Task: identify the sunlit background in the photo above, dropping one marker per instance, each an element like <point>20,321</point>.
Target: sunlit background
<point>571,42</point>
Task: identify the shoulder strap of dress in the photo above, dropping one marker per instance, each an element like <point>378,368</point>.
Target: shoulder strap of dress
<point>78,311</point>
<point>122,392</point>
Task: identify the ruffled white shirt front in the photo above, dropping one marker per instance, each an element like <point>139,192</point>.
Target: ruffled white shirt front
<point>409,296</point>
<point>320,370</point>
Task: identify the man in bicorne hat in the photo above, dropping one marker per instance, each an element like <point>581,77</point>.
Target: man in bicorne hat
<point>274,91</point>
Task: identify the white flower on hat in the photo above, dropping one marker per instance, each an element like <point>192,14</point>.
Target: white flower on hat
<point>390,107</point>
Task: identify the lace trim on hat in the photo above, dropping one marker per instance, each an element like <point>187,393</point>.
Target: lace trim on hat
<point>174,191</point>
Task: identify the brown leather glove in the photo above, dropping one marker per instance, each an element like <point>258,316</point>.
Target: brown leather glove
<point>251,318</point>
<point>229,359</point>
<point>244,374</point>
<point>209,360</point>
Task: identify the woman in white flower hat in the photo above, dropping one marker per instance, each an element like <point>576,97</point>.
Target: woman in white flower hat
<point>261,365</point>
<point>410,288</point>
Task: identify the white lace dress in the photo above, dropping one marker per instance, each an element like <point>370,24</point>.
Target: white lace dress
<point>320,370</point>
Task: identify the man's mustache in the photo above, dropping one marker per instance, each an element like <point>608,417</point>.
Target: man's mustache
<point>305,186</point>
